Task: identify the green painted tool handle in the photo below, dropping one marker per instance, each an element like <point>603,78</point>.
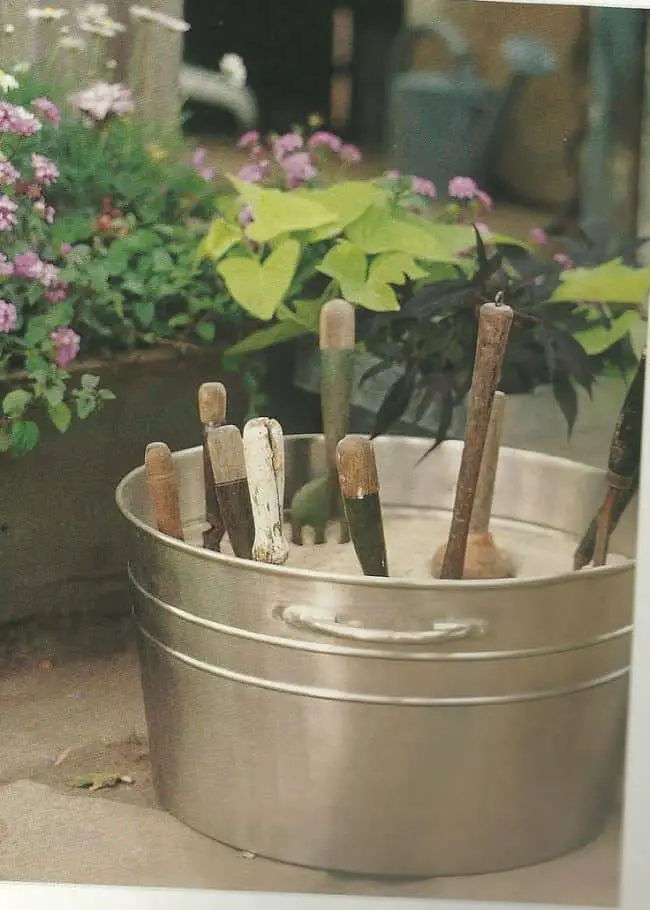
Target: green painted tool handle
<point>336,389</point>
<point>367,533</point>
<point>625,451</point>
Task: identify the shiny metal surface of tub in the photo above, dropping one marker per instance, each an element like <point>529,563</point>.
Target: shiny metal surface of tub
<point>382,726</point>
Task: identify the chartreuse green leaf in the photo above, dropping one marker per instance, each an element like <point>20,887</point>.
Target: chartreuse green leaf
<point>611,282</point>
<point>221,238</point>
<point>259,288</point>
<point>347,201</point>
<point>60,415</point>
<point>303,319</point>
<point>369,285</point>
<point>278,213</point>
<point>379,231</point>
<point>599,338</point>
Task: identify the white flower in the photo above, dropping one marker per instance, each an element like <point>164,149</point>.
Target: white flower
<point>103,99</point>
<point>46,12</point>
<point>94,19</point>
<point>23,67</point>
<point>9,29</point>
<point>146,14</point>
<point>233,68</point>
<point>7,82</point>
<point>94,11</point>
<point>72,42</point>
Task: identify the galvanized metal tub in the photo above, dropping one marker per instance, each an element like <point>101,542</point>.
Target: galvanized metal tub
<point>380,726</point>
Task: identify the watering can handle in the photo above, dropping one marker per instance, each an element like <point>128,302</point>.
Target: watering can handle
<point>448,34</point>
<point>322,622</point>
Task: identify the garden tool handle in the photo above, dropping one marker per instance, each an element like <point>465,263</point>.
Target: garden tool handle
<point>482,510</point>
<point>162,483</point>
<point>359,484</point>
<point>625,450</point>
<point>264,455</point>
<point>226,451</point>
<point>212,404</point>
<point>321,621</point>
<point>495,321</point>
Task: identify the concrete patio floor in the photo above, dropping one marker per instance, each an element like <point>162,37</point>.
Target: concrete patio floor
<point>64,717</point>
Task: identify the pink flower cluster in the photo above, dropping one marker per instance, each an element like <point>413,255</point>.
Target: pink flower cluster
<point>45,171</point>
<point>208,172</point>
<point>48,110</point>
<point>292,156</point>
<point>66,345</point>
<point>466,189</point>
<point>8,317</point>
<point>16,120</point>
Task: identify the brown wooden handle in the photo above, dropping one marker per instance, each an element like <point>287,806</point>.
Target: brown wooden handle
<point>495,321</point>
<point>480,522</point>
<point>212,403</point>
<point>360,491</point>
<point>163,489</point>
<point>226,450</point>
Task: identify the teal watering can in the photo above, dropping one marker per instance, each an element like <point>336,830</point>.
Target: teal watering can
<point>448,124</point>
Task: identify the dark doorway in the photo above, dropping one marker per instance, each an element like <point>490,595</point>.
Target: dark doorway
<point>288,48</point>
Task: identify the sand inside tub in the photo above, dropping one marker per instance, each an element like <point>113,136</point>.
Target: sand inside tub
<point>412,536</point>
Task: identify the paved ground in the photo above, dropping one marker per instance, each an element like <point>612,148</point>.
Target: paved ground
<point>65,719</point>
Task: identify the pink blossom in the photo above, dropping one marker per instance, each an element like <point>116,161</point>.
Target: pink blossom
<point>538,235</point>
<point>564,261</point>
<point>45,171</point>
<point>252,137</point>
<point>284,145</point>
<point>423,187</point>
<point>484,199</point>
<point>325,139</point>
<point>8,209</point>
<point>351,153</point>
<point>59,293</point>
<point>66,248</point>
<point>48,109</point>
<point>49,276</point>
<point>8,173</point>
<point>6,267</point>
<point>66,345</point>
<point>28,265</point>
<point>298,168</point>
<point>394,175</point>
<point>198,163</point>
<point>462,188</point>
<point>8,316</point>
<point>253,173</point>
<point>15,119</point>
<point>246,215</point>
<point>104,99</point>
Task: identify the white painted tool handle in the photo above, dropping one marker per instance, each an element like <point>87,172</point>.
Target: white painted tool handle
<point>264,454</point>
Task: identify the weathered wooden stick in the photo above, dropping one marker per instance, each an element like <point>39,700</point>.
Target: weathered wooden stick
<point>359,484</point>
<point>495,321</point>
<point>585,551</point>
<point>226,451</point>
<point>264,454</point>
<point>212,401</point>
<point>483,559</point>
<point>624,460</point>
<point>319,500</point>
<point>163,489</point>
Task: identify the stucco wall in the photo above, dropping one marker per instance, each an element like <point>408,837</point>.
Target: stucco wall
<point>533,162</point>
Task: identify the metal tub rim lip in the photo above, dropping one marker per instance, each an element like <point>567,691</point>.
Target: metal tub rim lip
<point>391,583</point>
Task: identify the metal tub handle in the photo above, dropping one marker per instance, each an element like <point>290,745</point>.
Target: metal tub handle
<point>320,621</point>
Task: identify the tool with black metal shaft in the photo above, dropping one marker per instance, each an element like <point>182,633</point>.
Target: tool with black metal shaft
<point>162,484</point>
<point>212,401</point>
<point>483,559</point>
<point>319,500</point>
<point>264,454</point>
<point>587,546</point>
<point>624,461</point>
<point>359,484</point>
<point>495,320</point>
<point>226,451</point>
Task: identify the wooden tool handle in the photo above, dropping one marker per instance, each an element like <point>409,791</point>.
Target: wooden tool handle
<point>625,450</point>
<point>494,327</point>
<point>212,400</point>
<point>359,484</point>
<point>264,454</point>
<point>587,546</point>
<point>163,489</point>
<point>226,452</point>
<point>480,522</point>
<point>212,403</point>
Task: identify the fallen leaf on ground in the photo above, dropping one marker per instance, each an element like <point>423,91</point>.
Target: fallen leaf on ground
<point>101,781</point>
<point>61,757</point>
